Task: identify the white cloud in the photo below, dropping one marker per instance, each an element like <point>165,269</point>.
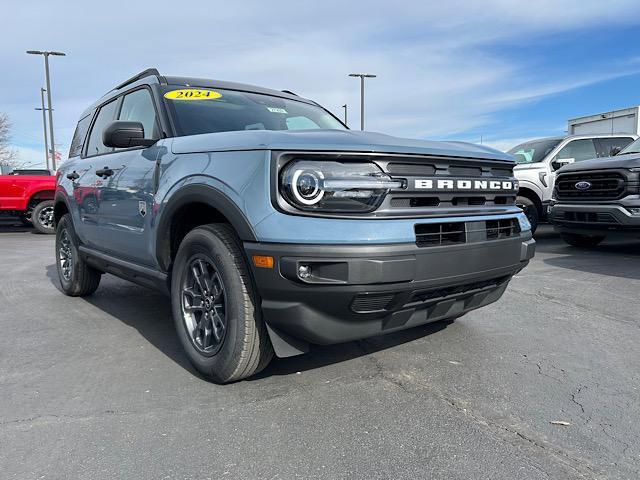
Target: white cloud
<point>438,71</point>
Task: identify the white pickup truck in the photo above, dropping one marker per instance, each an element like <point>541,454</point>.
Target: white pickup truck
<point>538,160</point>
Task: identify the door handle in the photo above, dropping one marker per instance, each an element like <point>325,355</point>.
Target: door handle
<point>73,176</point>
<point>104,172</point>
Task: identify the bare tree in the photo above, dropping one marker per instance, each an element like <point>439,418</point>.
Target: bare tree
<point>8,154</point>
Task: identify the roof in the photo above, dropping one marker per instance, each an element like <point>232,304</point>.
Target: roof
<point>153,76</point>
<point>222,84</point>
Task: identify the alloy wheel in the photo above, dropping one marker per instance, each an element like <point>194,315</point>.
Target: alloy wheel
<point>45,217</point>
<point>65,255</point>
<point>204,305</point>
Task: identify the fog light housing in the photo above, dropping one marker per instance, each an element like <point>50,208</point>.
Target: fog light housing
<point>634,210</point>
<point>304,271</point>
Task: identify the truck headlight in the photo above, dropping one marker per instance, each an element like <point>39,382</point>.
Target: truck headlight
<point>328,186</point>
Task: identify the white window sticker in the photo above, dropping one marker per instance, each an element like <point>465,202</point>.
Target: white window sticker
<point>276,110</point>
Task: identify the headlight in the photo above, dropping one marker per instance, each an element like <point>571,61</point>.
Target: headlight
<point>335,187</point>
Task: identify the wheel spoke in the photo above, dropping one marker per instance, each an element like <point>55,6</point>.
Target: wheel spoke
<point>196,269</point>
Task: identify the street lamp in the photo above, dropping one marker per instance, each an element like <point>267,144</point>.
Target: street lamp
<point>44,125</point>
<point>362,76</point>
<point>46,72</point>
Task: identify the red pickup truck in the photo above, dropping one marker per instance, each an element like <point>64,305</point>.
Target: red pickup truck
<point>28,195</point>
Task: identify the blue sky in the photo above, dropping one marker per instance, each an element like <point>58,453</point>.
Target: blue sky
<point>502,70</point>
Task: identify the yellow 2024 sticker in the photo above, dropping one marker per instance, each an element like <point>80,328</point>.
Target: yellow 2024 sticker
<point>192,94</point>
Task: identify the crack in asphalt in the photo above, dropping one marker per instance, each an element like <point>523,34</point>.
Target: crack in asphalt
<point>577,465</point>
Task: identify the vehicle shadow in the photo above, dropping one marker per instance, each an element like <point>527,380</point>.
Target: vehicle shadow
<point>614,257</point>
<point>149,313</point>
<point>11,226</point>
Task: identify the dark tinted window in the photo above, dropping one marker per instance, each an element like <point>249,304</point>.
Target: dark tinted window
<point>105,116</point>
<point>36,172</point>
<point>608,144</point>
<point>79,136</point>
<point>579,150</point>
<point>222,110</point>
<point>137,106</point>
<point>535,151</point>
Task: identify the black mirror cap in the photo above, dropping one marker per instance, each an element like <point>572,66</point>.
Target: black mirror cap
<point>124,134</point>
<point>614,151</point>
<point>556,165</point>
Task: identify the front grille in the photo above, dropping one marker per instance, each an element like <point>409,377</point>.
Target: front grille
<point>606,185</point>
<point>503,228</point>
<point>453,233</point>
<point>436,234</point>
<point>585,217</point>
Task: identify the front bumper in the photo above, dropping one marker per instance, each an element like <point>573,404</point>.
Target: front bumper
<point>358,291</point>
<point>594,218</point>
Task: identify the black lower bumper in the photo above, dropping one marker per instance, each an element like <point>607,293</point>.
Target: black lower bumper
<point>355,292</point>
<point>594,219</point>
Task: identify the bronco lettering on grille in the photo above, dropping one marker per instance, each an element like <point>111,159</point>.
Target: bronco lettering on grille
<point>442,184</point>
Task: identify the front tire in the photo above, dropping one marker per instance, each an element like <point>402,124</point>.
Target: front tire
<point>76,277</point>
<point>530,210</point>
<point>215,308</point>
<point>42,217</point>
<point>578,240</point>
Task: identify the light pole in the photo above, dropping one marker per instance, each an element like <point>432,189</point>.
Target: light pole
<point>46,72</point>
<point>44,124</point>
<point>345,114</point>
<point>362,76</point>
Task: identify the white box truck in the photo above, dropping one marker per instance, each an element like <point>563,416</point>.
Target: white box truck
<point>624,120</point>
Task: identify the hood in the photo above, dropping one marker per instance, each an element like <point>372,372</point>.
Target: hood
<point>631,160</point>
<point>330,140</point>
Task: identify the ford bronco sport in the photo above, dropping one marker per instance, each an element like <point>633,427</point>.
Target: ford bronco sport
<point>272,226</point>
<point>598,198</point>
<point>28,195</point>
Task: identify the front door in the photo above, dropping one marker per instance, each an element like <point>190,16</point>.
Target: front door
<point>127,192</point>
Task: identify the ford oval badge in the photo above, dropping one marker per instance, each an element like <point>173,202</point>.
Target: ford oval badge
<point>583,185</point>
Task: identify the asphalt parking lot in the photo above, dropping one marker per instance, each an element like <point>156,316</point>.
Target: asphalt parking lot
<point>99,387</point>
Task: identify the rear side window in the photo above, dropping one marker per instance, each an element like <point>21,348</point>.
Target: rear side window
<point>105,116</point>
<point>137,106</point>
<point>608,144</point>
<point>79,136</point>
<point>578,150</point>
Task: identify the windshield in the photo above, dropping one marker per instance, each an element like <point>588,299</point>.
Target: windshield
<point>198,110</point>
<point>633,147</point>
<point>535,151</point>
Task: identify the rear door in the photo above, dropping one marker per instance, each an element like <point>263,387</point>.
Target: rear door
<point>607,145</point>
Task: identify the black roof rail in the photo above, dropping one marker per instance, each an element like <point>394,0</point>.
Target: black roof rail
<point>290,92</point>
<point>145,73</point>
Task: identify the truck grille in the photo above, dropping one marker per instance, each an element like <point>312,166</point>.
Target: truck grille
<point>605,185</point>
<point>452,233</point>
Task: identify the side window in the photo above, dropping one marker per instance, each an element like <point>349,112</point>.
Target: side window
<point>137,106</point>
<point>79,136</point>
<point>578,150</point>
<point>608,144</point>
<point>105,116</point>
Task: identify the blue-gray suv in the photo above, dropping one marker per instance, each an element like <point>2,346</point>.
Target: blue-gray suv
<point>274,227</point>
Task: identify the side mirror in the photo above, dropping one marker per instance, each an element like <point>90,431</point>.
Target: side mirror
<point>123,134</point>
<point>614,151</point>
<point>558,163</point>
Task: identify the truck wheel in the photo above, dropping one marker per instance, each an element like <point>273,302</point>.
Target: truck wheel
<point>76,277</point>
<point>215,308</point>
<point>42,217</point>
<point>578,240</point>
<point>530,210</point>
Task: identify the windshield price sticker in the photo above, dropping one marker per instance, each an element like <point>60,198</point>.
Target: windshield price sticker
<point>192,94</point>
